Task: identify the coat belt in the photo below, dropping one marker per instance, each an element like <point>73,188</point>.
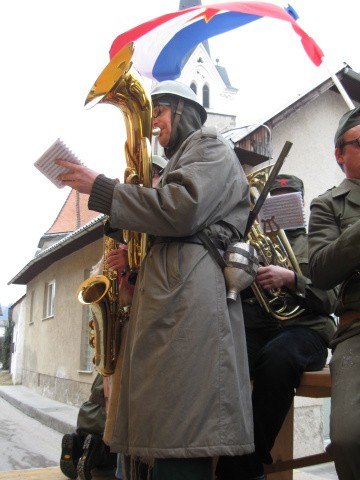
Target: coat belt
<point>190,239</point>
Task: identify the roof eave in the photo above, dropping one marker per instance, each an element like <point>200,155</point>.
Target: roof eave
<point>85,235</point>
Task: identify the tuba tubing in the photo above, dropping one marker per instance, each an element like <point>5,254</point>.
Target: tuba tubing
<point>273,248</point>
<point>120,85</point>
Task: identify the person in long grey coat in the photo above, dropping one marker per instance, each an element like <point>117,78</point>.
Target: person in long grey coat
<point>334,239</point>
<point>185,393</point>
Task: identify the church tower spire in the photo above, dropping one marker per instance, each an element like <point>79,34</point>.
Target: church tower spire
<point>183,4</point>
<point>188,3</point>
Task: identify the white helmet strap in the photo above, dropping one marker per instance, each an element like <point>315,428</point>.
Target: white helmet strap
<point>178,112</point>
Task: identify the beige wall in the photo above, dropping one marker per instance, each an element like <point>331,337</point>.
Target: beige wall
<point>311,129</point>
<point>53,346</point>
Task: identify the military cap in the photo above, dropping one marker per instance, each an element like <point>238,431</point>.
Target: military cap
<point>288,182</point>
<point>349,120</point>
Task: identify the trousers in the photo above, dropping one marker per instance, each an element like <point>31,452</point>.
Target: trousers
<point>277,359</point>
<point>345,408</point>
<point>92,413</point>
<point>183,469</point>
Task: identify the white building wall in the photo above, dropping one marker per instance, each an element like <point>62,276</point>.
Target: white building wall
<point>311,129</point>
<point>18,317</point>
<point>205,73</point>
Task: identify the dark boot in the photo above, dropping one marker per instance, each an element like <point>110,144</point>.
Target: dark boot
<point>95,455</point>
<point>71,450</point>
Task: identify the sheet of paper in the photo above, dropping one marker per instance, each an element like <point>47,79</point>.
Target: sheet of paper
<point>287,210</point>
<point>46,163</point>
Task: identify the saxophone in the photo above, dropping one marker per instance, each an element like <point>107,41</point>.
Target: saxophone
<point>273,248</point>
<point>119,84</point>
<point>101,293</point>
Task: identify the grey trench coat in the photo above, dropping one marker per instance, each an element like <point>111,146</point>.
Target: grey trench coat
<point>185,389</point>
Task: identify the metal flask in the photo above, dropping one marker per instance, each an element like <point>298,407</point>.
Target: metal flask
<point>242,264</point>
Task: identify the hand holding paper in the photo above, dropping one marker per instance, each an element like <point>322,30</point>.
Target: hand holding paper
<point>47,166</point>
<point>62,167</point>
<point>78,177</point>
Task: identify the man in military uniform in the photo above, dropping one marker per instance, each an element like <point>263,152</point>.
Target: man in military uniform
<point>334,242</point>
<point>280,351</point>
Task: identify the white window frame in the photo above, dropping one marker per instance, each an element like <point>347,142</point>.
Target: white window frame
<point>32,306</point>
<point>49,299</point>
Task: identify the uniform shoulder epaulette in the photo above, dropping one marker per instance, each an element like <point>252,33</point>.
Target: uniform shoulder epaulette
<point>326,191</point>
<point>209,132</point>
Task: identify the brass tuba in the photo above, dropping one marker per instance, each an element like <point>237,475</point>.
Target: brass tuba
<point>273,248</point>
<point>119,84</point>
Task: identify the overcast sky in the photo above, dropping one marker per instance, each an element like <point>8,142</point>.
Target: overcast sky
<point>52,51</point>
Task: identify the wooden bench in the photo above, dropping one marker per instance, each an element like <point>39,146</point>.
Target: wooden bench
<point>312,385</point>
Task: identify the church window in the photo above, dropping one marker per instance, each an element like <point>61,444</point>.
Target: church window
<point>206,96</point>
<point>193,87</point>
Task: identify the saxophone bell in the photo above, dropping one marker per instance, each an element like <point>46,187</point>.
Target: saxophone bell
<point>93,289</point>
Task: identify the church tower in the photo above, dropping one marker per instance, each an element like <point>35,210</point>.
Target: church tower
<point>209,81</point>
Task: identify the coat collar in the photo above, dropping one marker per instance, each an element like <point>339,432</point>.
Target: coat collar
<point>348,187</point>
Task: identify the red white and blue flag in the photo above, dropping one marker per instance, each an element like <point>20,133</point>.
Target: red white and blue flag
<point>162,44</point>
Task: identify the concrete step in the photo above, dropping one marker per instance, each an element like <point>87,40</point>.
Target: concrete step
<point>5,377</point>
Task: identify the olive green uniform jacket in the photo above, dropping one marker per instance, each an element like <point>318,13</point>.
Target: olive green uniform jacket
<point>334,240</point>
<point>185,388</point>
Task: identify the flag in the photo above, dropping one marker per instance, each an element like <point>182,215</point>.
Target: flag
<point>161,44</point>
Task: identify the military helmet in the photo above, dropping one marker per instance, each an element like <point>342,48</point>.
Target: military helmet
<point>173,88</point>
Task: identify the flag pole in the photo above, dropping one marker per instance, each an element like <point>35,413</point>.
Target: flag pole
<point>341,89</point>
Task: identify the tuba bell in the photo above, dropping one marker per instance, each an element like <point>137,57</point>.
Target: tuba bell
<point>120,85</point>
<point>273,248</point>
